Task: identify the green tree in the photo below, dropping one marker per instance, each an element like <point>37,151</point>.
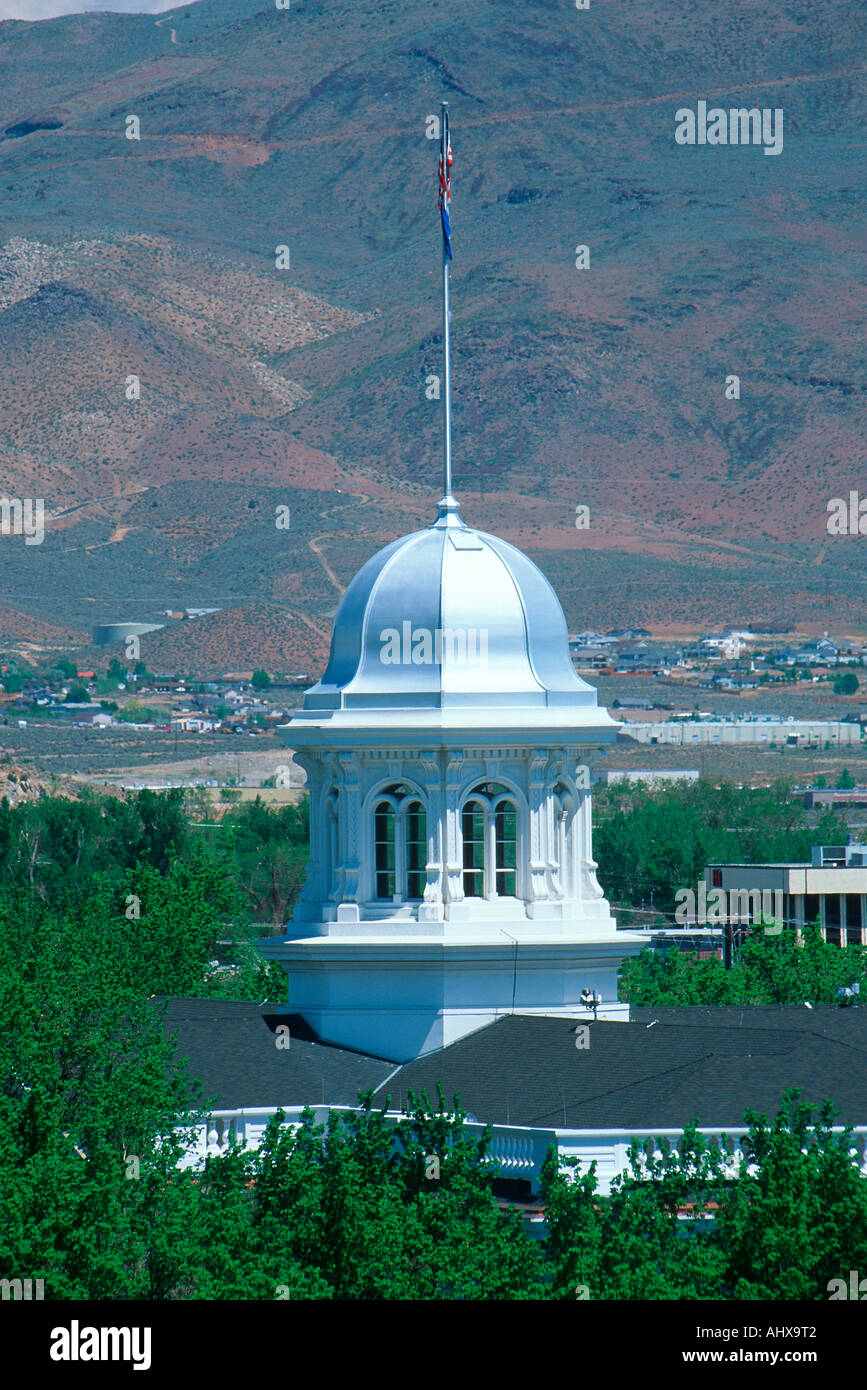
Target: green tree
<point>769,968</point>
<point>797,1216</point>
<point>87,1084</point>
<point>271,850</point>
<point>163,832</point>
<point>846,684</point>
<point>634,1244</point>
<point>355,1202</point>
<point>261,680</point>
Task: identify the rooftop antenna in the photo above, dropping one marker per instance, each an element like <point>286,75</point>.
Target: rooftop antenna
<point>448,505</point>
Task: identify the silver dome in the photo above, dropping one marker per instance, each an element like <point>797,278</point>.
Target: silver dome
<point>449,617</point>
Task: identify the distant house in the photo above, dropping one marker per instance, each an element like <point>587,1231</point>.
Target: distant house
<point>89,715</point>
<point>642,656</point>
<point>734,680</point>
<point>818,652</point>
<point>722,644</point>
<point>591,658</point>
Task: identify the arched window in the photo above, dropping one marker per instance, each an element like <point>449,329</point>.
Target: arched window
<point>384,847</point>
<point>562,808</point>
<point>489,826</point>
<point>415,840</point>
<point>473,831</point>
<point>506,847</point>
<point>399,844</point>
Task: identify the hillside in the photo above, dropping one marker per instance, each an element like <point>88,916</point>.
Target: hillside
<point>263,388</point>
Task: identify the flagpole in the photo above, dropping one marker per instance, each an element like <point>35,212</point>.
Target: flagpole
<point>448,500</point>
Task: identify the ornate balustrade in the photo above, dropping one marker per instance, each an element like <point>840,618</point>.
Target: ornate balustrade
<point>518,1151</point>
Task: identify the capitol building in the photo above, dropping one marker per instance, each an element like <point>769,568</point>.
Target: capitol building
<point>452,933</point>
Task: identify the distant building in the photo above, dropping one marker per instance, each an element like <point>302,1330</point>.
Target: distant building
<point>193,724</point>
<point>773,732</point>
<point>723,644</point>
<point>106,633</point>
<point>644,656</point>
<point>828,796</point>
<point>819,652</point>
<point>590,658</point>
<point>734,680</point>
<point>832,889</point>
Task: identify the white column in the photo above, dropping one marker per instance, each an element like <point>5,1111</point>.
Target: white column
<point>536,889</point>
<point>431,910</point>
<point>350,835</point>
<point>454,884</point>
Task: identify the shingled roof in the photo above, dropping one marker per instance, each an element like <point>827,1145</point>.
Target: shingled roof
<point>663,1069</point>
<point>231,1047</point>
<point>822,1020</point>
<point>526,1070</point>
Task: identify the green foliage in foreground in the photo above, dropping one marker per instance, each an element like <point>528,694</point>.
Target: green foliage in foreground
<point>104,903</point>
<point>91,1201</point>
<point>794,1218</point>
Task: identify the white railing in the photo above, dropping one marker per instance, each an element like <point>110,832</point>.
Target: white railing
<point>518,1150</point>
<point>610,1147</point>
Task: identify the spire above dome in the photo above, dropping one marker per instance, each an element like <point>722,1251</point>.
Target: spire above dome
<point>450,626</point>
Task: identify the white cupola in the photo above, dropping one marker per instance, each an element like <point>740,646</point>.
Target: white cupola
<point>451,874</point>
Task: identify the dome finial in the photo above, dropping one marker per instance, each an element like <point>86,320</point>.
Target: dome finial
<point>449,513</point>
<point>448,506</point>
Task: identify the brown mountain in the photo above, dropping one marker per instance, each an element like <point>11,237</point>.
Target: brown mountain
<point>262,388</point>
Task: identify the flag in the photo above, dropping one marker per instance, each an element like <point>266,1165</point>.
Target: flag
<point>445,186</point>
